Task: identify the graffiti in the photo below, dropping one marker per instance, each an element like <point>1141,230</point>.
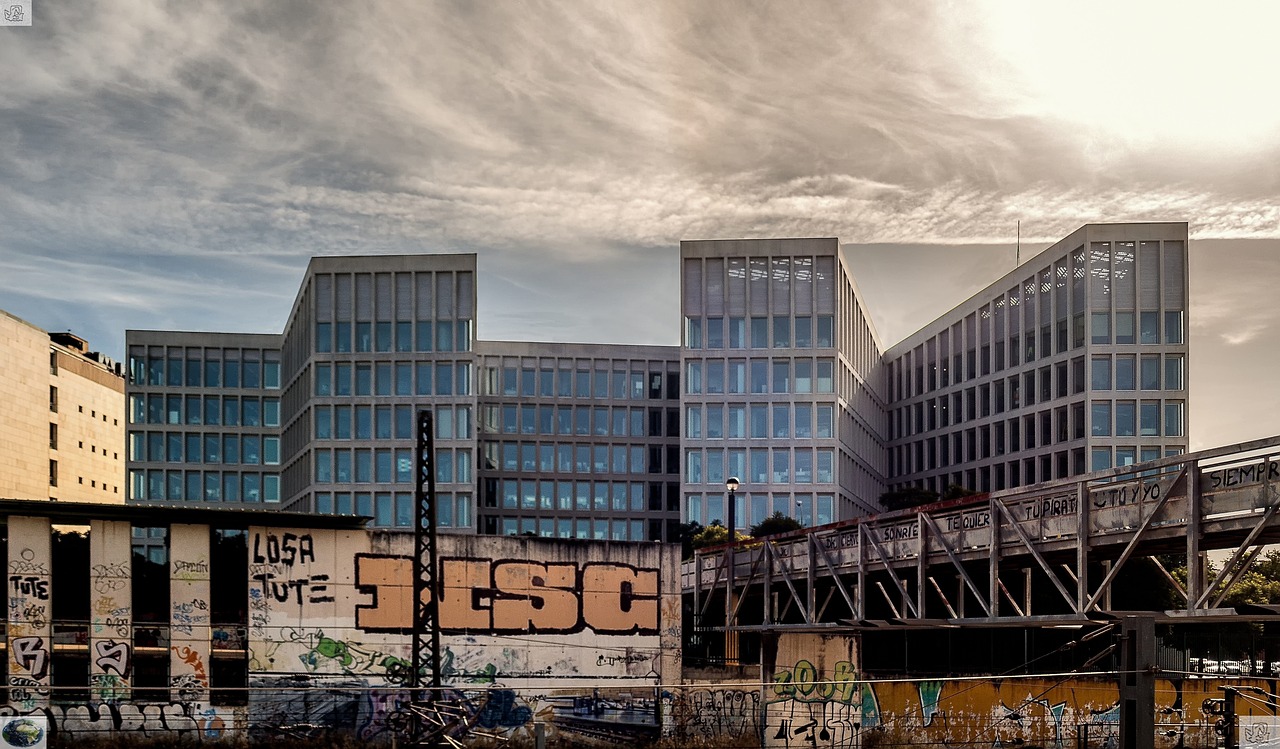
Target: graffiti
<point>356,658</point>
<point>187,570</point>
<point>30,585</point>
<point>1126,494</point>
<point>930,695</point>
<point>714,714</point>
<point>503,710</point>
<point>109,718</point>
<point>259,613</point>
<point>189,687</point>
<point>108,687</point>
<point>314,588</point>
<point>969,521</point>
<point>192,659</point>
<point>27,565</point>
<point>108,578</point>
<point>35,615</point>
<point>513,596</point>
<point>112,657</point>
<point>26,693</point>
<point>32,655</point>
<point>1268,470</point>
<point>286,549</point>
<point>187,615</point>
<point>804,684</point>
<point>626,660</point>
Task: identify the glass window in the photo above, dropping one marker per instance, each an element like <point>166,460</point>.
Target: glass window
<point>693,464</point>
<point>759,376</point>
<point>1149,419</point>
<point>1126,415</point>
<point>759,332</point>
<point>715,421</point>
<point>782,332</point>
<point>826,376</point>
<point>781,466</point>
<point>1100,419</point>
<point>424,336</point>
<point>737,332</point>
<point>1149,327</point>
<point>759,421</point>
<point>693,379</point>
<point>1173,327</point>
<point>804,332</point>
<point>715,376</point>
<point>781,420</point>
<point>826,331</point>
<point>782,376</point>
<point>737,376</point>
<point>382,336</point>
<point>444,378</point>
<point>1173,373</point>
<point>1100,328</point>
<point>1100,459</point>
<point>1125,373</point>
<point>804,376</point>
<point>1173,419</point>
<point>1124,327</point>
<point>1100,377</point>
<point>693,332</point>
<point>1150,372</point>
<point>715,332</point>
<point>364,379</point>
<point>826,466</point>
<point>444,335</point>
<point>342,379</point>
<point>803,427</point>
<point>364,336</point>
<point>737,428</point>
<point>825,421</point>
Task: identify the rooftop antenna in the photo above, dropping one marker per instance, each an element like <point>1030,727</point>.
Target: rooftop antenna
<point>1017,253</point>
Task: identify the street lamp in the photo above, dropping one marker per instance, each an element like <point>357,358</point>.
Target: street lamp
<point>732,486</point>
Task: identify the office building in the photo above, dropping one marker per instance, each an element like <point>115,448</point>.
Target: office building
<point>1074,362</point>
<point>61,417</point>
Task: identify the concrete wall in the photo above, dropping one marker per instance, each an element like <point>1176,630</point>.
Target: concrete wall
<point>564,637</point>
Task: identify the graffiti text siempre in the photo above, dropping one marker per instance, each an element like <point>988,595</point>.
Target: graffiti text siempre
<point>512,596</point>
<point>1268,471</point>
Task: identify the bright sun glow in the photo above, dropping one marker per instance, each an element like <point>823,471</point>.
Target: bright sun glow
<point>1190,74</point>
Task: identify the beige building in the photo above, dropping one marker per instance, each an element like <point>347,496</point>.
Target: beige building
<point>61,417</point>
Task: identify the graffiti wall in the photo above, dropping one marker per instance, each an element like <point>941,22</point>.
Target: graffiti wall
<point>559,638</point>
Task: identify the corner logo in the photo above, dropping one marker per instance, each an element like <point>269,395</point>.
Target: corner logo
<point>16,13</point>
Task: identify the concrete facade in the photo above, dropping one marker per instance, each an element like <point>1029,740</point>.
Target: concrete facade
<point>61,418</point>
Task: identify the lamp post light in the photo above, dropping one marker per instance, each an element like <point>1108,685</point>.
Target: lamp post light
<point>730,636</point>
<point>732,485</point>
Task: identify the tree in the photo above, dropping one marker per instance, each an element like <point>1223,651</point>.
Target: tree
<point>774,524</point>
<point>714,535</point>
<point>912,496</point>
<point>955,491</point>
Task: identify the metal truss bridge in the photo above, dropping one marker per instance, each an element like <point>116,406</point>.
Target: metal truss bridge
<point>1041,555</point>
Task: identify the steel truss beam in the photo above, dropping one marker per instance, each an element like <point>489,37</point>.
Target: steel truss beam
<point>1184,505</point>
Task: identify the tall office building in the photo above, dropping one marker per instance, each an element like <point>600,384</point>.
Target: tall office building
<point>782,383</point>
<point>1075,362</point>
<point>61,417</point>
<point>577,439</point>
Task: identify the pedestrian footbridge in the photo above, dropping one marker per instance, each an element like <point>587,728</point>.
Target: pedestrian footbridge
<point>1047,554</point>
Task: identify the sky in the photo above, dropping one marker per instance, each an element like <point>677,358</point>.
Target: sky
<point>174,165</point>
